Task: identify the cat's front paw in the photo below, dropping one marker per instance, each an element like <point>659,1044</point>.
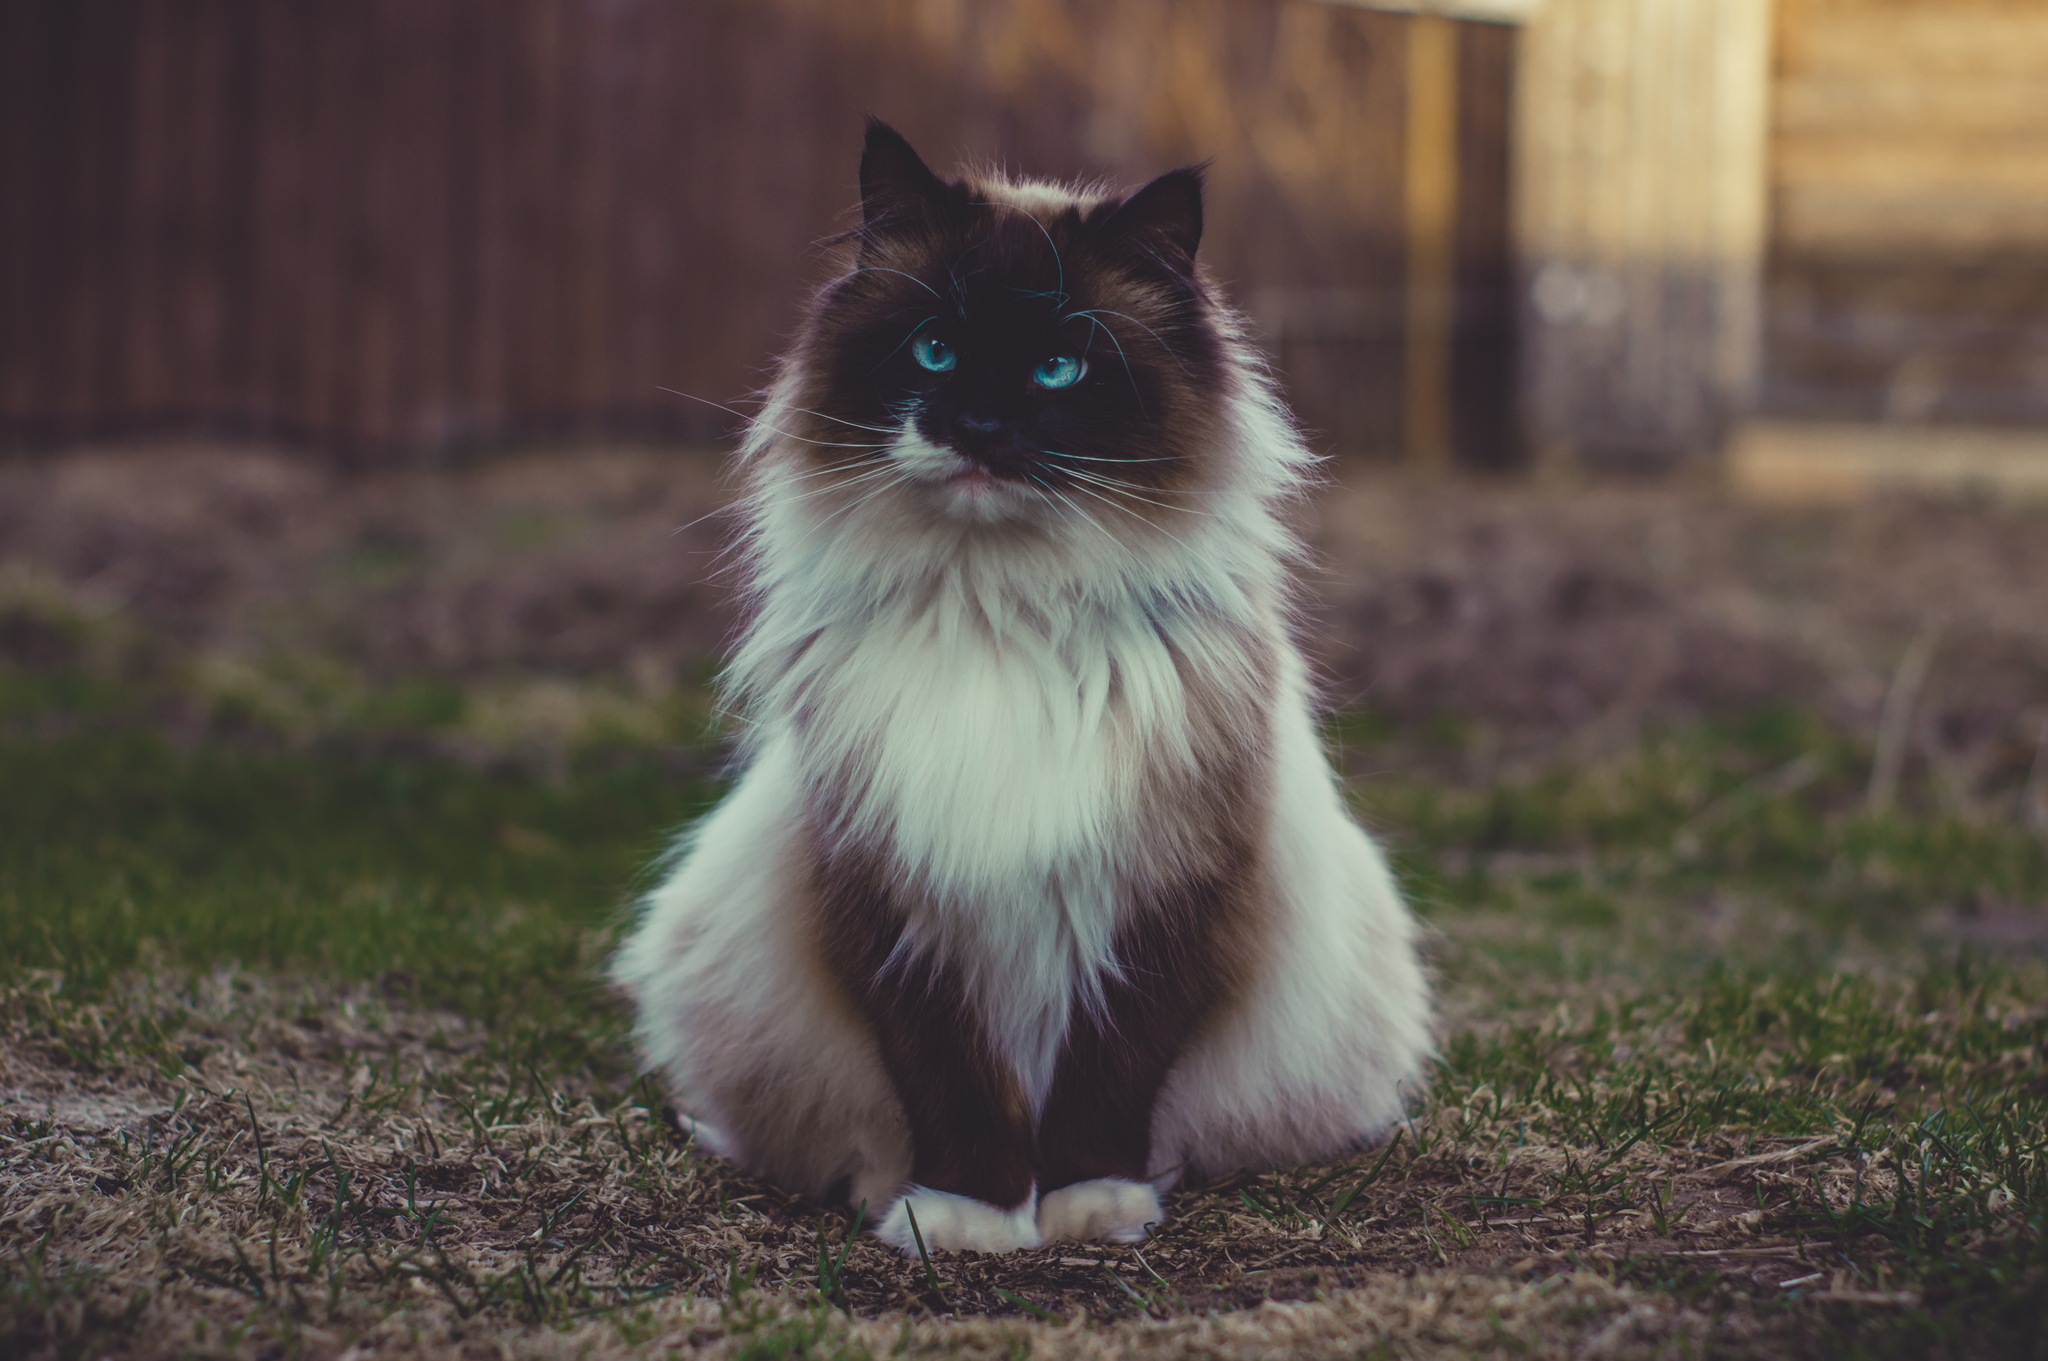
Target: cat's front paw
<point>705,1136</point>
<point>1106,1208</point>
<point>950,1223</point>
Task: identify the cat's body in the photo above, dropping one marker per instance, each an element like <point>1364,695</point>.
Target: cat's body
<point>1036,891</point>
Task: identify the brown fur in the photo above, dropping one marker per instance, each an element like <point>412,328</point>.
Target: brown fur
<point>1187,946</point>
<point>970,1129</point>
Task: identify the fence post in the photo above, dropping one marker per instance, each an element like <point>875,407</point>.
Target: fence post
<point>1640,201</point>
<point>1430,178</point>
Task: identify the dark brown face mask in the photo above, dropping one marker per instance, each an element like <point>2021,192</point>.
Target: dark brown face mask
<point>1039,347</point>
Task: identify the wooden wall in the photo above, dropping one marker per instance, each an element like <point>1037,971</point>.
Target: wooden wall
<point>399,227</point>
<point>1908,277</point>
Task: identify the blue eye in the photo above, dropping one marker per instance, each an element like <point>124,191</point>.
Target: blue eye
<point>1060,371</point>
<point>933,353</point>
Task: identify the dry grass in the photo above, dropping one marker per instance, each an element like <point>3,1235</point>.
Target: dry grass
<point>327,1171</point>
<point>300,1053</point>
<point>241,1164</point>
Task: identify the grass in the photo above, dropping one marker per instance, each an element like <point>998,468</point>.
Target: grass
<point>486,889</point>
<point>304,1052</point>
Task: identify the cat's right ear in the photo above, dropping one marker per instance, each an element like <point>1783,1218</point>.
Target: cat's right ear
<point>897,189</point>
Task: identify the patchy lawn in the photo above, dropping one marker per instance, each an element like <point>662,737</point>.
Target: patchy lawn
<point>310,850</point>
<point>303,1052</point>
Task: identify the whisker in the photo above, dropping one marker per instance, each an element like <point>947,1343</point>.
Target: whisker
<point>1094,524</point>
<point>1131,490</point>
<point>837,465</point>
<point>756,421</point>
<point>1134,515</point>
<point>1058,263</point>
<point>1123,358</point>
<point>1092,312</point>
<point>841,420</point>
<point>707,515</point>
<point>737,505</point>
<point>881,471</point>
<point>884,269</point>
<point>904,475</point>
<point>1104,480</point>
<point>908,337</point>
<point>1089,458</point>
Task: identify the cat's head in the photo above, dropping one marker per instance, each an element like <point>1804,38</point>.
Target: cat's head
<point>1014,351</point>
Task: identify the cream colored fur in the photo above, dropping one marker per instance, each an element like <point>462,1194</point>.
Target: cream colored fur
<point>1106,1208</point>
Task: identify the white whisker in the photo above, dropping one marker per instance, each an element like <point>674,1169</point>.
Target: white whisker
<point>903,475</point>
<point>1092,312</point>
<point>707,515</point>
<point>1087,458</point>
<point>1132,490</point>
<point>841,420</point>
<point>1058,263</point>
<point>1057,501</point>
<point>1134,515</point>
<point>869,476</point>
<point>884,269</point>
<point>839,465</point>
<point>756,421</point>
<point>1125,359</point>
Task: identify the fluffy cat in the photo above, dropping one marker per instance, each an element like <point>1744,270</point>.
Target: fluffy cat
<point>1035,891</point>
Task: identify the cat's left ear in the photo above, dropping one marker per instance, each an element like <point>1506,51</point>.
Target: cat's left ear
<point>1165,217</point>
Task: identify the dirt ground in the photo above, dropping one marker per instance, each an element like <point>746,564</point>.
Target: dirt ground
<point>336,1173</point>
<point>1500,623</point>
<point>297,1140</point>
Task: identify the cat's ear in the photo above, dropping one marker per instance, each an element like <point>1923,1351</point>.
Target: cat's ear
<point>896,187</point>
<point>1164,218</point>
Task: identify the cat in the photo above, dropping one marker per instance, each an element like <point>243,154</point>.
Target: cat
<point>1035,891</point>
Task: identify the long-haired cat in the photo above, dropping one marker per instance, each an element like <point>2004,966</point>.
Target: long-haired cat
<point>1036,891</point>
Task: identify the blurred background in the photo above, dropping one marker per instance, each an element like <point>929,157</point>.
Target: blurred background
<point>1675,358</point>
<point>1499,229</point>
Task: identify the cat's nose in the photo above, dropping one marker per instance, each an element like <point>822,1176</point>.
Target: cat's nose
<point>980,425</point>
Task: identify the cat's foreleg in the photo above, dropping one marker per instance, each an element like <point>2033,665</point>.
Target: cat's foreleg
<point>1176,960</point>
<point>973,1186</point>
<point>1095,1134</point>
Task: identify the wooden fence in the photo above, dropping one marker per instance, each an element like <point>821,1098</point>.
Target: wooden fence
<point>399,227</point>
<point>1909,181</point>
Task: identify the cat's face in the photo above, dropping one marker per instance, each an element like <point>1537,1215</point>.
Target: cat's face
<point>1015,351</point>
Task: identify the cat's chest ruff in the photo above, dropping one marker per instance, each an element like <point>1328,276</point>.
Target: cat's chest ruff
<point>985,754</point>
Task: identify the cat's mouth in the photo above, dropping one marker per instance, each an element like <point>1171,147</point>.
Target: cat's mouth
<point>977,492</point>
<point>974,491</point>
<point>964,485</point>
<point>975,478</point>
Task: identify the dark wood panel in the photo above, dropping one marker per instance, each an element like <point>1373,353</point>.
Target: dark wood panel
<point>399,227</point>
<point>1485,424</point>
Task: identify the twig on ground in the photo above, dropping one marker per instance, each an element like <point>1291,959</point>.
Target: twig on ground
<point>1895,721</point>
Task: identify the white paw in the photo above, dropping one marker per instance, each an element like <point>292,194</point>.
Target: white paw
<point>705,1136</point>
<point>951,1223</point>
<point>1108,1207</point>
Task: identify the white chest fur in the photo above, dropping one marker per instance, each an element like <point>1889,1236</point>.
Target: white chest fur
<point>989,760</point>
<point>1009,760</point>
